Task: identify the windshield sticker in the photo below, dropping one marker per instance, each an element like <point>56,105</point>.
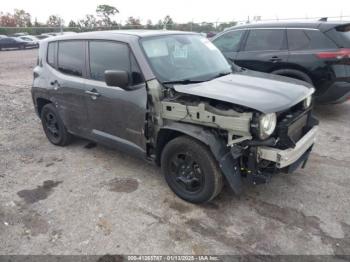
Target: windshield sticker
<point>155,48</point>
<point>180,51</point>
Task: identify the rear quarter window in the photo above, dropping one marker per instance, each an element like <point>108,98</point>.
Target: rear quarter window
<point>300,39</point>
<point>51,53</point>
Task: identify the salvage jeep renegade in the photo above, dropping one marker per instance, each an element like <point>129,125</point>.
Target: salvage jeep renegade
<point>173,98</point>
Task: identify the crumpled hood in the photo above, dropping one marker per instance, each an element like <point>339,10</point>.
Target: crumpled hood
<point>266,93</point>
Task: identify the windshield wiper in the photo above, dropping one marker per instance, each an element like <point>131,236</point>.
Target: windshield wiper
<point>220,75</point>
<point>182,82</point>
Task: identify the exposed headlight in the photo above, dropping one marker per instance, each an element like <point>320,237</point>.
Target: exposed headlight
<point>267,124</point>
<point>307,102</point>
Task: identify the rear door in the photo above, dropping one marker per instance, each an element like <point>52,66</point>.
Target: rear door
<point>66,78</point>
<point>305,47</point>
<point>229,43</point>
<point>116,116</point>
<point>264,49</point>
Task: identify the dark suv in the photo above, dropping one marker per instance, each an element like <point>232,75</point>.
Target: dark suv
<point>173,98</point>
<point>315,52</point>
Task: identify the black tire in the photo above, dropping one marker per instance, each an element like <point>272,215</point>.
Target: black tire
<point>53,126</point>
<point>190,170</point>
<point>293,74</point>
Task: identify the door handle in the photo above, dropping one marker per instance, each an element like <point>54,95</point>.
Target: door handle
<point>93,93</point>
<point>275,59</point>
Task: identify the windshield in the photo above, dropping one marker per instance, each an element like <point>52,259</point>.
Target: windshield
<point>184,57</point>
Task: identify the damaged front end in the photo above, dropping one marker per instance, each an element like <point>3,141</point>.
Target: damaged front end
<point>232,133</point>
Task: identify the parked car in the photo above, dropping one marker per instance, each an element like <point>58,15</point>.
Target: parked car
<point>43,36</point>
<point>3,36</point>
<point>19,34</point>
<point>315,52</point>
<point>32,39</point>
<point>14,42</point>
<point>173,98</point>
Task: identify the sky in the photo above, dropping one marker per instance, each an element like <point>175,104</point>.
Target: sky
<point>183,10</point>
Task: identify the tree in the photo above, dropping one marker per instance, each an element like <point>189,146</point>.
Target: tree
<point>133,23</point>
<point>167,21</point>
<point>72,24</point>
<point>105,12</point>
<point>89,22</point>
<point>22,18</point>
<point>54,20</point>
<point>149,24</point>
<point>7,20</point>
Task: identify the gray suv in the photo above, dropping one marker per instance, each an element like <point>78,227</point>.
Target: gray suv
<point>173,98</point>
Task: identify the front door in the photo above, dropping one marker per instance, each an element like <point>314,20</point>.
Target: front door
<point>116,116</point>
<point>229,43</point>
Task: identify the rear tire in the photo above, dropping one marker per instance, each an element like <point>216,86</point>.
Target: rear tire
<point>191,170</point>
<point>53,126</point>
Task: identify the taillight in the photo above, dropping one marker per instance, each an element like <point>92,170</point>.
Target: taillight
<point>339,54</point>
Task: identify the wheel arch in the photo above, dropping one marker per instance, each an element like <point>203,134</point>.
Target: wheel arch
<point>40,103</point>
<point>294,72</point>
<point>217,146</point>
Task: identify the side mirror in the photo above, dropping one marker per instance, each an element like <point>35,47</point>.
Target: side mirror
<point>117,78</point>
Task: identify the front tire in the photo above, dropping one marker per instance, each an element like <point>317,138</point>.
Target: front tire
<point>191,170</point>
<point>53,126</point>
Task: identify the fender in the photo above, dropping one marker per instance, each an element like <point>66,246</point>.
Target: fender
<point>228,165</point>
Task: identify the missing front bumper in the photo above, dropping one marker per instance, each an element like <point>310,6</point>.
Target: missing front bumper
<point>284,158</point>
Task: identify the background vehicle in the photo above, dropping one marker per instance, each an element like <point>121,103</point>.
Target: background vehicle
<point>32,39</point>
<point>315,52</point>
<point>43,36</point>
<point>173,98</point>
<point>14,42</point>
<point>3,36</point>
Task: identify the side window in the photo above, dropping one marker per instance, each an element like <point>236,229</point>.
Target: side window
<point>136,74</point>
<point>107,56</point>
<point>297,39</point>
<point>51,53</point>
<point>229,42</point>
<point>265,39</point>
<point>319,41</point>
<point>71,57</point>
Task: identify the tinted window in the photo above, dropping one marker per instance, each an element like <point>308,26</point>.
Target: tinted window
<point>71,57</point>
<point>265,39</point>
<point>51,51</point>
<point>107,56</point>
<point>297,39</point>
<point>229,42</point>
<point>318,40</point>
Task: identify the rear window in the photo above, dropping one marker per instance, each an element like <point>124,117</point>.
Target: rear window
<point>299,39</point>
<point>71,55</point>
<point>265,39</point>
<point>340,35</point>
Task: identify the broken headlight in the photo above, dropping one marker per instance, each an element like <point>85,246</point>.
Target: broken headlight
<point>267,124</point>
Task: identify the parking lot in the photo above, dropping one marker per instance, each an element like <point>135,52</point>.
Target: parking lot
<point>92,200</point>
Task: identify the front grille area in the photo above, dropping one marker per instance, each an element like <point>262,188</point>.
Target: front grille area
<point>291,127</point>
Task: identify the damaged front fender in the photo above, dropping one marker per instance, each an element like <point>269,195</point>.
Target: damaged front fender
<point>228,165</point>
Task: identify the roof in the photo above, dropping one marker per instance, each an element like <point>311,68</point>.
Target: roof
<point>114,34</point>
<point>323,26</point>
